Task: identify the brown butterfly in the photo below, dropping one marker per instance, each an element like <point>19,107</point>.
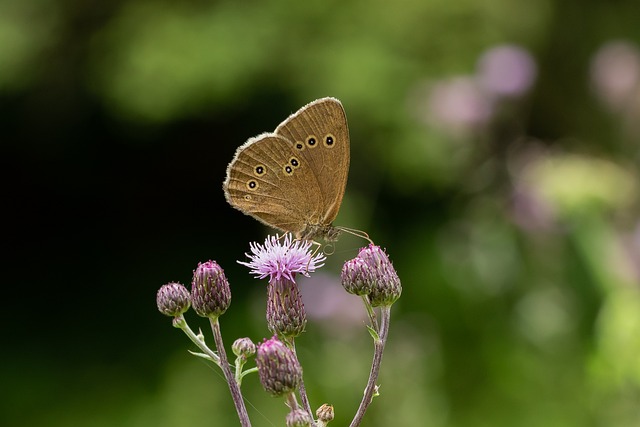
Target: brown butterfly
<point>294,178</point>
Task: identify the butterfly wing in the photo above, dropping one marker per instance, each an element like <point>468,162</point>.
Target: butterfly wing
<point>267,180</point>
<point>320,136</point>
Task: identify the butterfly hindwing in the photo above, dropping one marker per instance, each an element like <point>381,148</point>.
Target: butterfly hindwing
<point>263,182</point>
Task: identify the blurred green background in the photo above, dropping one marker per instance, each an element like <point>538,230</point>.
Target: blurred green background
<point>495,150</point>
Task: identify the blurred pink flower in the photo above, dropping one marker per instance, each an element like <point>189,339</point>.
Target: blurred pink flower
<point>326,300</point>
<point>531,212</point>
<point>506,71</point>
<point>615,74</point>
<point>456,105</point>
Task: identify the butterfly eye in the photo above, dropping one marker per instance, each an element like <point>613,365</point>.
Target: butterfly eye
<point>252,184</point>
<point>299,146</point>
<point>259,170</point>
<point>311,141</point>
<point>329,141</point>
<point>288,170</point>
<point>294,162</point>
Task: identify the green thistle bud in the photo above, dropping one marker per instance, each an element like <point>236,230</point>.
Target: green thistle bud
<point>173,299</point>
<point>298,418</point>
<point>243,347</point>
<point>279,370</point>
<point>210,293</point>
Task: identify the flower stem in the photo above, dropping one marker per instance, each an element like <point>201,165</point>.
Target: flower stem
<point>243,373</point>
<point>371,313</point>
<point>226,369</point>
<point>180,322</point>
<point>291,401</point>
<point>378,345</point>
<point>303,390</point>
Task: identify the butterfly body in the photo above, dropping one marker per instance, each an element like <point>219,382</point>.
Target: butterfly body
<point>294,178</point>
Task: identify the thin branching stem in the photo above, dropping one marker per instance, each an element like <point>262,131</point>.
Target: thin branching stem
<point>181,323</point>
<point>378,345</point>
<point>303,391</point>
<point>234,388</point>
<point>292,401</point>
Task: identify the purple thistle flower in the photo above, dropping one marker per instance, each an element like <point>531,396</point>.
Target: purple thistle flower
<point>298,418</point>
<point>210,293</point>
<point>356,277</point>
<point>371,273</point>
<point>279,370</point>
<point>243,347</point>
<point>173,299</point>
<point>282,258</point>
<point>286,315</point>
<point>387,287</point>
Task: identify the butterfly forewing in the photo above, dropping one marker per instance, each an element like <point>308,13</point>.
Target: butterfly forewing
<point>320,134</point>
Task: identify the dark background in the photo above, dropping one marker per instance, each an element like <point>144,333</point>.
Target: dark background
<point>512,218</point>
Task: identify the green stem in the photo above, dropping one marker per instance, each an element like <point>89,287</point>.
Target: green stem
<point>303,390</point>
<point>292,401</point>
<point>234,388</point>
<point>248,371</point>
<point>372,314</point>
<point>180,322</point>
<point>378,345</point>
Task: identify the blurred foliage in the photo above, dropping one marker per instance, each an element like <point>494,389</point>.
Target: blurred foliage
<point>494,154</point>
<point>26,31</point>
<point>162,61</point>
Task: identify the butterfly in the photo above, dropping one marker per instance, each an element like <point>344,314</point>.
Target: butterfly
<point>293,179</point>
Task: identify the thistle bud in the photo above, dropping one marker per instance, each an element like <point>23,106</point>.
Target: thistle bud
<point>356,277</point>
<point>286,315</point>
<point>279,370</point>
<point>298,418</point>
<point>387,287</point>
<point>243,347</point>
<point>325,413</point>
<point>210,293</point>
<point>173,299</point>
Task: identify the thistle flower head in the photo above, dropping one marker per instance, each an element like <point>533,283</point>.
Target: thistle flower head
<point>210,293</point>
<point>286,315</point>
<point>325,413</point>
<point>371,273</point>
<point>279,370</point>
<point>173,299</point>
<point>243,347</point>
<point>298,418</point>
<point>357,277</point>
<point>282,258</point>
<point>387,287</point>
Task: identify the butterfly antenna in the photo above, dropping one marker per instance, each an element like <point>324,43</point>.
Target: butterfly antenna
<point>329,249</point>
<point>357,233</point>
